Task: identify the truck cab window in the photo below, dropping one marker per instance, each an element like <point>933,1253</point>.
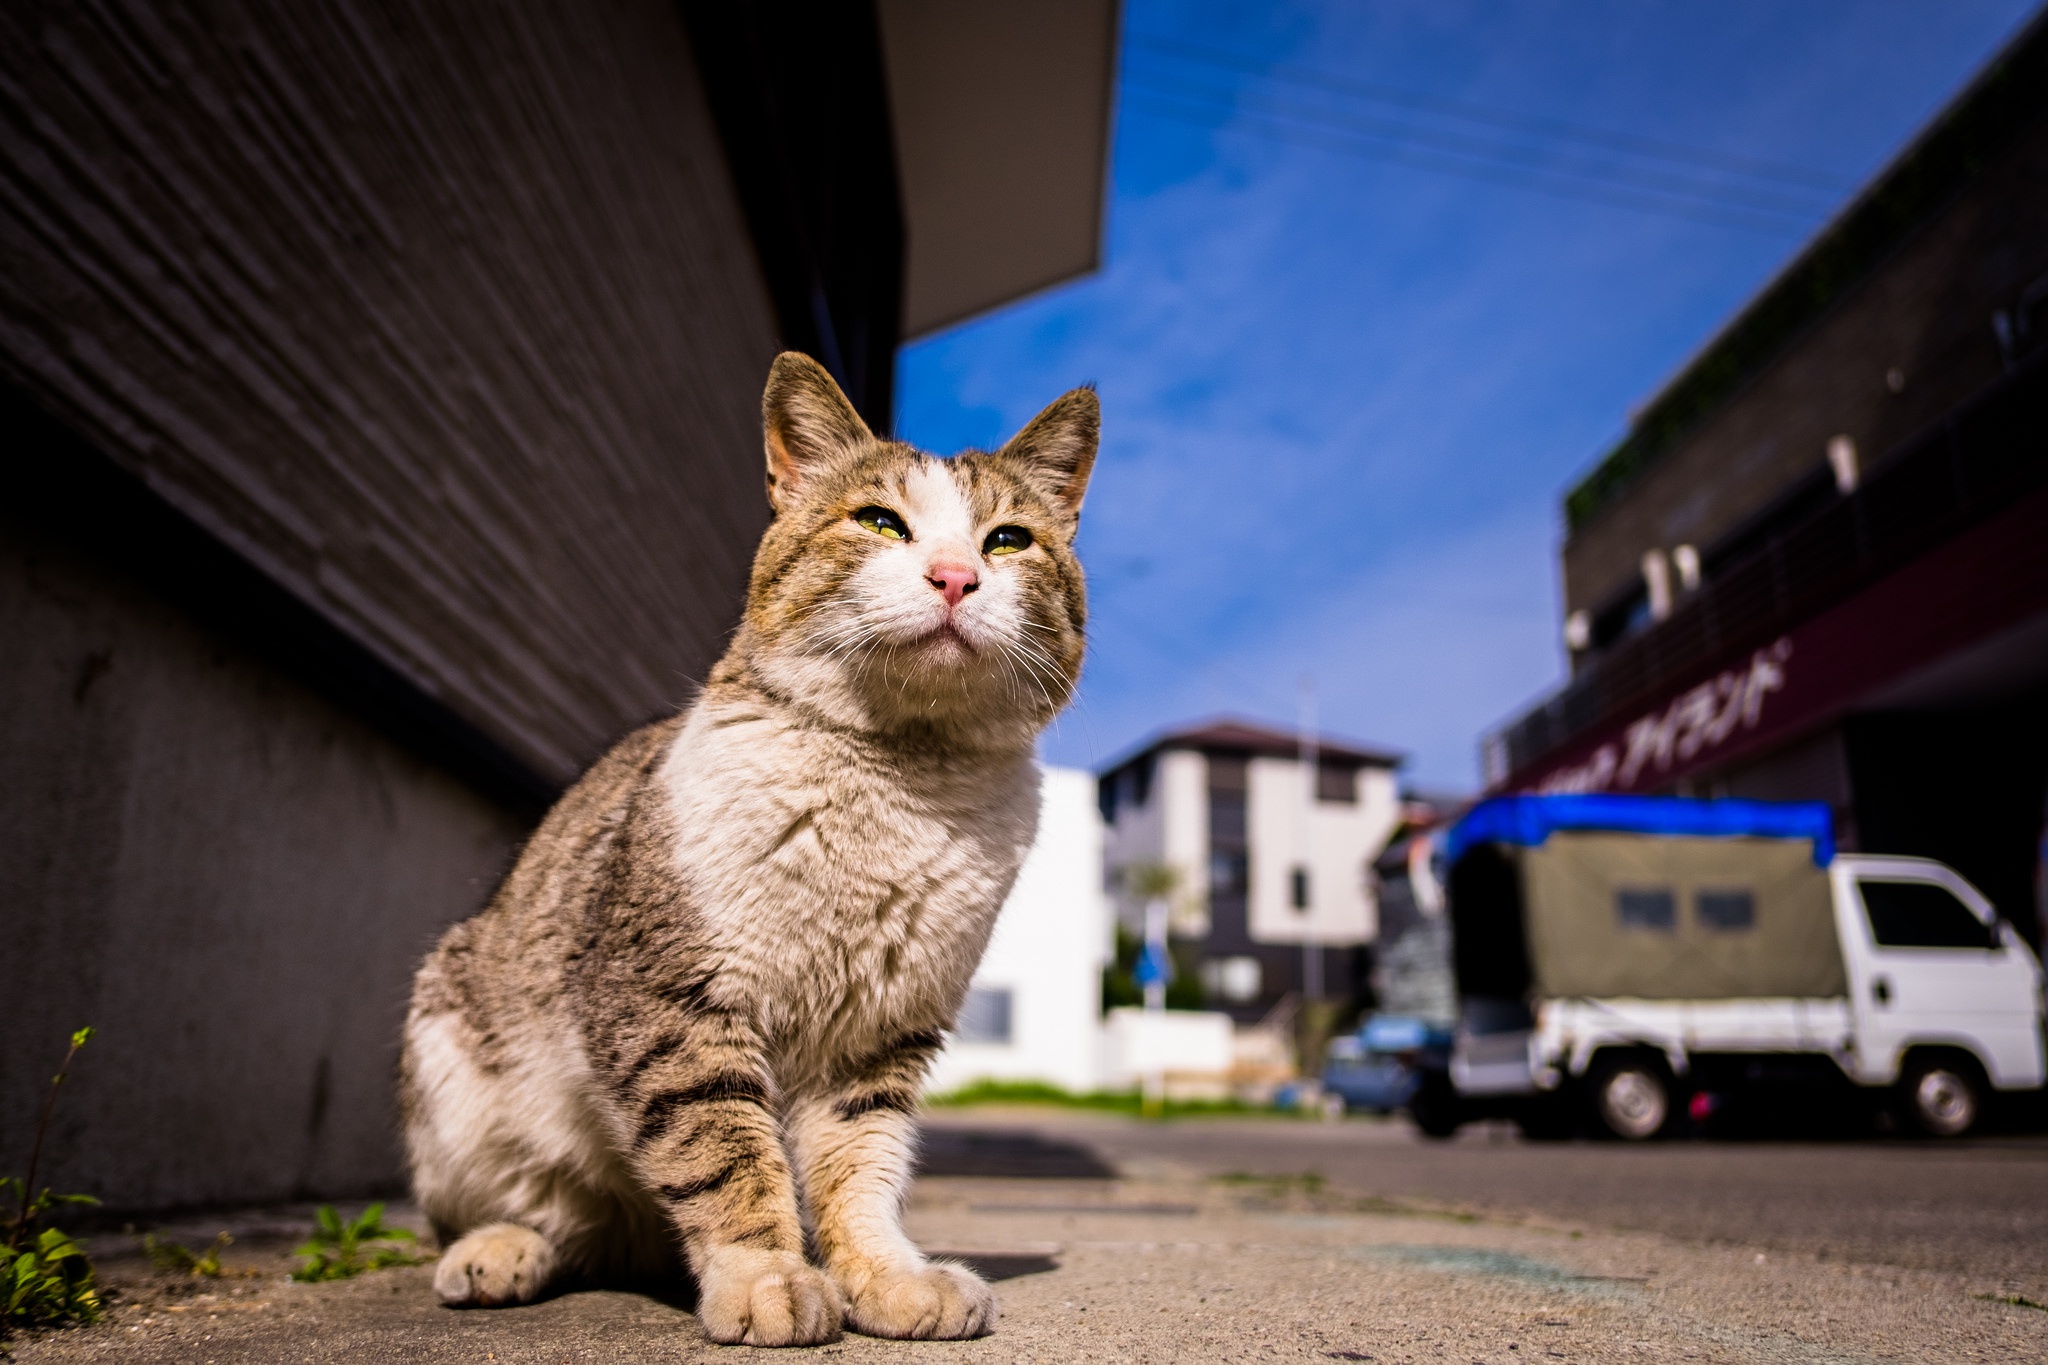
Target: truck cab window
<point>1725,911</point>
<point>1654,908</point>
<point>1922,915</point>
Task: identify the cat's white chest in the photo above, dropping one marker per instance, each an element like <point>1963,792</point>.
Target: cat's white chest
<point>851,898</point>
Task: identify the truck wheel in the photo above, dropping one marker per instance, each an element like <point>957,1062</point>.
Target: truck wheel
<point>1434,1107</point>
<point>1941,1098</point>
<point>1632,1098</point>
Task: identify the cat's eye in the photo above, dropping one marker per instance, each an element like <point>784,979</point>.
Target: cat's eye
<point>882,522</point>
<point>1006,540</point>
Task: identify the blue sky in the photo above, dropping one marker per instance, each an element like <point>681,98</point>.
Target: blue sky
<point>1381,278</point>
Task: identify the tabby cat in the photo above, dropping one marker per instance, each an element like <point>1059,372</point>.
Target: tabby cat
<point>696,1015</point>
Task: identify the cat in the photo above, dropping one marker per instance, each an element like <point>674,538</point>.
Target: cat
<point>697,1014</point>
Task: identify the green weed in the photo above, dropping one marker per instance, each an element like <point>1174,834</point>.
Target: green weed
<point>45,1278</point>
<point>47,1283</point>
<point>339,1251</point>
<point>174,1258</point>
<point>2012,1301</point>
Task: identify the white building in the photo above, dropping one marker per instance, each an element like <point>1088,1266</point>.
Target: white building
<point>1274,860</point>
<point>1035,1009</point>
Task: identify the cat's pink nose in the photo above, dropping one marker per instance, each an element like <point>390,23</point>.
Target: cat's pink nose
<point>953,580</point>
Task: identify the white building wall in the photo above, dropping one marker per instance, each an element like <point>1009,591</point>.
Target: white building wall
<point>1183,796</point>
<point>1336,841</point>
<point>1172,827</point>
<point>1050,944</point>
<point>1177,1043</point>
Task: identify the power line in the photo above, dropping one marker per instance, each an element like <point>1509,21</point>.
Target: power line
<point>1490,173</point>
<point>1565,129</point>
<point>1634,179</point>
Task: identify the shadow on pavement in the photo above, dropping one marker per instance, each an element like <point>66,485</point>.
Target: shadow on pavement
<point>1008,1154</point>
<point>994,1266</point>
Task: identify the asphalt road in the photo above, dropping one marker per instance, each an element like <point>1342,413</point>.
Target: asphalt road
<point>1970,1207</point>
<point>1265,1240</point>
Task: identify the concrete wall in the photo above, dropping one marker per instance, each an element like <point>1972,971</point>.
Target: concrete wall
<point>1181,1044</point>
<point>422,347</point>
<point>225,873</point>
<point>444,316</point>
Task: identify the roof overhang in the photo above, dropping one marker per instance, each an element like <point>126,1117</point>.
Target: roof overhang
<point>1232,734</point>
<point>1002,122</point>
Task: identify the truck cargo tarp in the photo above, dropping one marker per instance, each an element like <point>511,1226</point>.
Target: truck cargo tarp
<point>1677,918</point>
<point>1529,820</point>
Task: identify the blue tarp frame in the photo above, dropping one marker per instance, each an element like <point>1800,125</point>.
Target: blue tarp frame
<point>1528,820</point>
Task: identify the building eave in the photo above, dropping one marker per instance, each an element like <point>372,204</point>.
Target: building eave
<point>1227,734</point>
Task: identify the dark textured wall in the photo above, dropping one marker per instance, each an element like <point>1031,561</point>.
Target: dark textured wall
<point>381,390</point>
<point>225,873</point>
<point>1926,313</point>
<point>443,315</point>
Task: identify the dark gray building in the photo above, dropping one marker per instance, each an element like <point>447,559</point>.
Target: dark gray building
<point>381,387</point>
<point>1817,567</point>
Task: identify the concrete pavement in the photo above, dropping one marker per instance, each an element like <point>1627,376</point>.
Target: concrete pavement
<point>1216,1240</point>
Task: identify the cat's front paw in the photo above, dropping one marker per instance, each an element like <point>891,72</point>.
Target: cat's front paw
<point>496,1265</point>
<point>938,1301</point>
<point>766,1298</point>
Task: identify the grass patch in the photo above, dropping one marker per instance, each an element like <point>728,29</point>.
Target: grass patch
<point>1307,1182</point>
<point>2012,1301</point>
<point>1100,1101</point>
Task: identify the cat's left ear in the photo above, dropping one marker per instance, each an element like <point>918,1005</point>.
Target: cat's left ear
<point>807,425</point>
<point>1055,453</point>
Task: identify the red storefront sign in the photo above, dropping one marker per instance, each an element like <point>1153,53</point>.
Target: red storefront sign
<point>1990,577</point>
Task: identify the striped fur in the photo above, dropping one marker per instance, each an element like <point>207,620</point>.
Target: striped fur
<point>692,1024</point>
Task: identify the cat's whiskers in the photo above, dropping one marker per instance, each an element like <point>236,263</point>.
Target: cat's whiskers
<point>1036,673</point>
<point>1041,659</point>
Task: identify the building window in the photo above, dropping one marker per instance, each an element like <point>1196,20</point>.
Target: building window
<point>1337,782</point>
<point>1229,873</point>
<point>1130,785</point>
<point>1227,818</point>
<point>1922,915</point>
<point>1140,777</point>
<point>985,1017</point>
<point>1236,979</point>
<point>1654,908</point>
<point>1726,912</point>
<point>1298,887</point>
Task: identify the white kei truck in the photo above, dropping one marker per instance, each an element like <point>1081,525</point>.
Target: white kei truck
<point>1618,956</point>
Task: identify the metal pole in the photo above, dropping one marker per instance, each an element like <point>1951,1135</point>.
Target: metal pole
<point>1311,952</point>
<point>1155,947</point>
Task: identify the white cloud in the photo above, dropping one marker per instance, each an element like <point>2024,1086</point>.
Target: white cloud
<point>1422,655</point>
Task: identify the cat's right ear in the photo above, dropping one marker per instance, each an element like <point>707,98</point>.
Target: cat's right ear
<point>807,426</point>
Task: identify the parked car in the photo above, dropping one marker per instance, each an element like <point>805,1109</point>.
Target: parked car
<point>1619,955</point>
<point>1379,1067</point>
